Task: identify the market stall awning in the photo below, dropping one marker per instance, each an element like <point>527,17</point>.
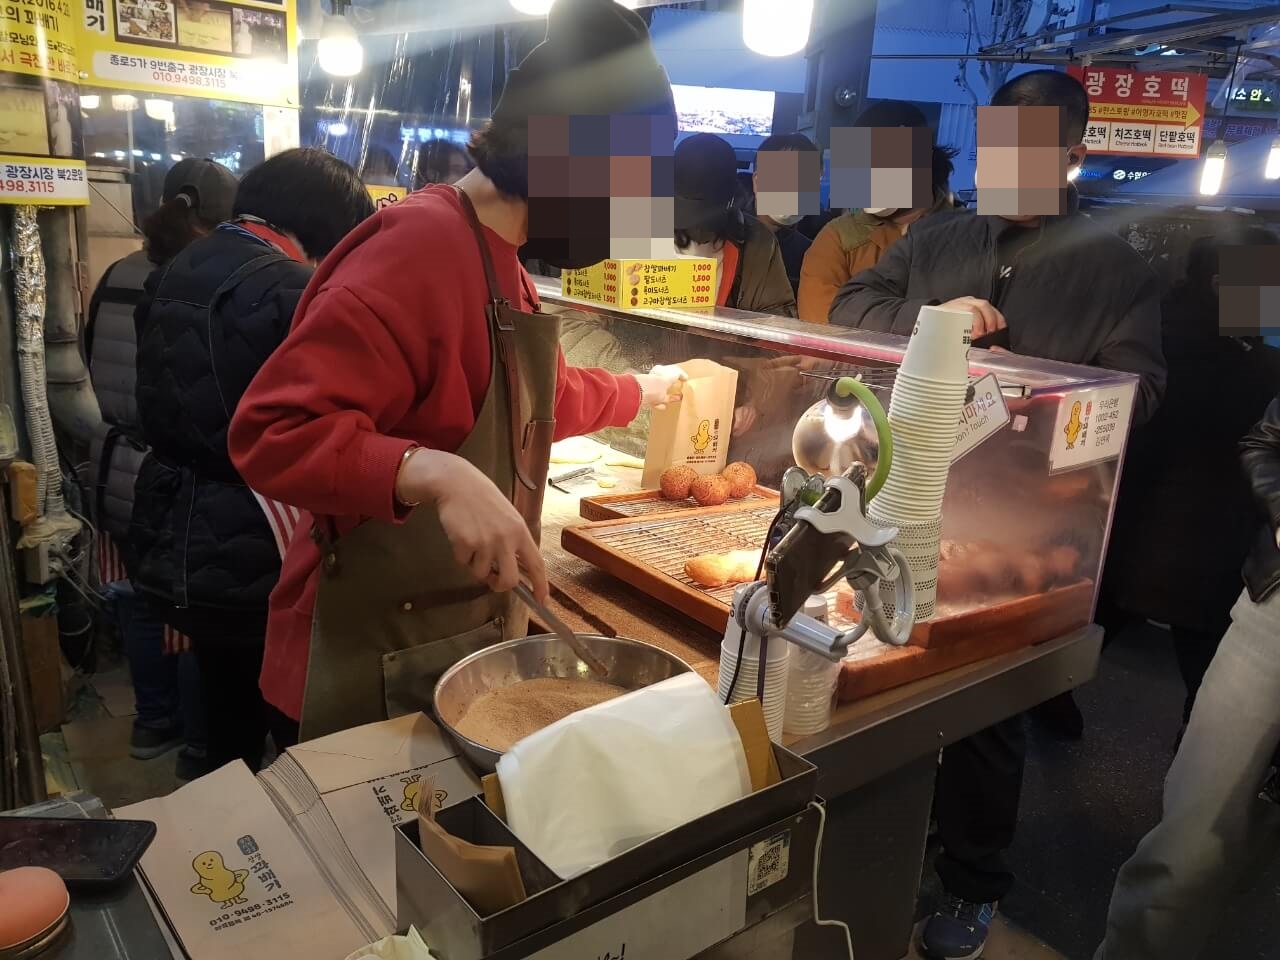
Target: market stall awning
<point>1243,183</point>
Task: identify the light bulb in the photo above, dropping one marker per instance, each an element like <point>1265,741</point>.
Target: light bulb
<point>1073,173</point>
<point>124,102</point>
<point>1272,169</point>
<point>158,109</point>
<point>337,128</point>
<point>339,49</point>
<point>1215,165</point>
<point>90,101</point>
<point>534,8</point>
<point>776,28</point>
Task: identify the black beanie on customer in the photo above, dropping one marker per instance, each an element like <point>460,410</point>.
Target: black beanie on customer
<point>596,60</point>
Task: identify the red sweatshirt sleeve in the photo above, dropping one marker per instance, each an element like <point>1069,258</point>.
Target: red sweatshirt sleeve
<point>311,429</point>
<point>588,399</point>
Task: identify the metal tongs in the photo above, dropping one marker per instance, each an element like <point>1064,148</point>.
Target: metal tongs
<point>561,630</point>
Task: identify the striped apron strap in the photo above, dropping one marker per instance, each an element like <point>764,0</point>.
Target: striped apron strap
<point>281,518</point>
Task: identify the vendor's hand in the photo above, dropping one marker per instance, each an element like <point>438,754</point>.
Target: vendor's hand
<point>174,642</point>
<point>660,386</point>
<point>744,418</point>
<point>487,534</point>
<point>986,318</point>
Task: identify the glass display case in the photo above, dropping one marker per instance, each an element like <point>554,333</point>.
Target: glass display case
<point>1027,510</point>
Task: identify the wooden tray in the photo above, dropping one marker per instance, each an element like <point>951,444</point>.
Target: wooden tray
<point>649,552</point>
<point>645,503</point>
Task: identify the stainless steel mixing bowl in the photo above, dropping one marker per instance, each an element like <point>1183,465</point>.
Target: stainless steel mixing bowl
<point>631,664</point>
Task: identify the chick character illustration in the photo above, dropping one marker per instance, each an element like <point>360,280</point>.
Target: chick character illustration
<point>1072,429</point>
<point>702,439</point>
<point>412,790</point>
<point>223,886</point>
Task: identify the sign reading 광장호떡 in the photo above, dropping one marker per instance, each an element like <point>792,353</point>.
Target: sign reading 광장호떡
<point>1150,114</point>
<point>243,50</point>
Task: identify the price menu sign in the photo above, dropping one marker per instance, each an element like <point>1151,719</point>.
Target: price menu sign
<point>1148,114</point>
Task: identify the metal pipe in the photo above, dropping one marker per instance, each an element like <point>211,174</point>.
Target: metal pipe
<point>72,402</point>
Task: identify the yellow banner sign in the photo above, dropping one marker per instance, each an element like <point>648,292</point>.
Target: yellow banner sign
<point>384,196</point>
<point>242,51</point>
<point>38,38</point>
<point>43,182</point>
<point>644,284</point>
<point>1185,114</point>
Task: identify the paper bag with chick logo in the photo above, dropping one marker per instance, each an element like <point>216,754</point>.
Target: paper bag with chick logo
<point>695,431</point>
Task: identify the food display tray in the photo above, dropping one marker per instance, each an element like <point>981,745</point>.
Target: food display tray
<point>649,554</point>
<point>645,503</point>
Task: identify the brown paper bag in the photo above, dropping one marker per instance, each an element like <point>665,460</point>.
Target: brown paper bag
<point>489,877</point>
<point>694,432</point>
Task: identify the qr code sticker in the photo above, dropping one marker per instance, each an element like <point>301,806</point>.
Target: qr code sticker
<point>768,863</point>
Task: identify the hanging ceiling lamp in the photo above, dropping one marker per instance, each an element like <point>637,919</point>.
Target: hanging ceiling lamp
<point>776,28</point>
<point>533,8</point>
<point>1215,158</point>
<point>339,49</point>
<point>1272,169</point>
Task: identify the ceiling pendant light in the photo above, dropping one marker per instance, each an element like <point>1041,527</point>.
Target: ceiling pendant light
<point>532,8</point>
<point>1215,165</point>
<point>776,28</point>
<point>339,50</point>
<point>1272,169</point>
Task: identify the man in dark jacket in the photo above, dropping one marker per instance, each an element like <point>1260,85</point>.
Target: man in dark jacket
<point>1181,487</point>
<point>208,550</point>
<point>1057,287</point>
<point>1170,896</point>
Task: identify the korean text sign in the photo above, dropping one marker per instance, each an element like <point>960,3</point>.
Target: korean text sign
<point>243,51</point>
<point>1150,114</point>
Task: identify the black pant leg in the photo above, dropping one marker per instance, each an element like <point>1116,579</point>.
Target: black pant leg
<point>1194,650</point>
<point>976,801</point>
<point>229,652</point>
<point>283,728</point>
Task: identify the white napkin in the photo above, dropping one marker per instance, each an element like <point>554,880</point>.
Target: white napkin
<point>408,947</point>
<point>608,778</point>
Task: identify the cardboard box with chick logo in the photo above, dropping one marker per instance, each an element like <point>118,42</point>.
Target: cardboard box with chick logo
<point>683,283</point>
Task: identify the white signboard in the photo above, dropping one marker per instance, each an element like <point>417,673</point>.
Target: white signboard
<point>1091,427</point>
<point>983,417</point>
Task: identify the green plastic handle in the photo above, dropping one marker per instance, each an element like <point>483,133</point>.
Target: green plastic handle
<point>849,387</point>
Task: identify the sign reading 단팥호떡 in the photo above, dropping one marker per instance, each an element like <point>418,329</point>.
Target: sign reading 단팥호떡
<point>241,50</point>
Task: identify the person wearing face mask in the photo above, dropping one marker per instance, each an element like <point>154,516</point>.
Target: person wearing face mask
<point>207,548</point>
<point>751,272</point>
<point>793,244</point>
<point>411,410</point>
<point>857,240</point>
<point>441,161</point>
<point>1058,287</point>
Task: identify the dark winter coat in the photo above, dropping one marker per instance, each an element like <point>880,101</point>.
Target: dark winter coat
<point>1078,293</point>
<point>209,320</point>
<point>1260,451</point>
<point>1185,519</point>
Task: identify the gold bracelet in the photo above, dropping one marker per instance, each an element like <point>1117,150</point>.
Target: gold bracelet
<point>404,460</point>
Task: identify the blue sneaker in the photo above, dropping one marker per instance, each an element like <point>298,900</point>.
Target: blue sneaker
<point>958,931</point>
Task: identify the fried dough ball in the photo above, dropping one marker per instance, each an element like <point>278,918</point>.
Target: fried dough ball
<point>676,482</point>
<point>741,477</point>
<point>1061,563</point>
<point>710,491</point>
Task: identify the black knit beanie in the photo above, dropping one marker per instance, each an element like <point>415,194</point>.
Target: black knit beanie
<point>596,60</point>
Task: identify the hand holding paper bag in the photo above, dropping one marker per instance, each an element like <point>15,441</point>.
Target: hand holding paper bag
<point>695,431</point>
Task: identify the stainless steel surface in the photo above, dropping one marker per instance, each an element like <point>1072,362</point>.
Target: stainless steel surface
<point>560,630</point>
<point>630,663</point>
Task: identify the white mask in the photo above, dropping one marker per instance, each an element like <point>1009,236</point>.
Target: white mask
<point>881,212</point>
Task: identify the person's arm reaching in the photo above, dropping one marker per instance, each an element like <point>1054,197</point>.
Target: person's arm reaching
<point>1260,454</point>
<point>876,299</point>
<point>1134,346</point>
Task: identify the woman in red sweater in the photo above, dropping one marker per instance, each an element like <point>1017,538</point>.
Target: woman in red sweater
<point>418,374</point>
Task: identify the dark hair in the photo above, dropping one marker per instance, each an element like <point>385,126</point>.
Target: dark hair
<point>1204,255</point>
<point>501,151</point>
<point>434,158</point>
<point>308,192</point>
<point>172,228</point>
<point>1049,88</point>
<point>784,142</point>
<point>943,168</point>
<point>891,113</point>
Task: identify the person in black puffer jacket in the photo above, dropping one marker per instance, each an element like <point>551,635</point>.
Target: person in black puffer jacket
<point>207,557</point>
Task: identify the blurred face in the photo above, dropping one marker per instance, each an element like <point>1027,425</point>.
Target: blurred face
<point>600,187</point>
<point>786,184</point>
<point>457,168</point>
<point>1023,162</point>
<point>881,169</point>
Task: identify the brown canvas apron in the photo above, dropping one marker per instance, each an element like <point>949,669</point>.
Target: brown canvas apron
<point>393,609</point>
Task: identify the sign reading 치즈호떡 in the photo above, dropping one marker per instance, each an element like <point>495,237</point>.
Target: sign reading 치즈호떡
<point>243,50</point>
<point>1149,114</point>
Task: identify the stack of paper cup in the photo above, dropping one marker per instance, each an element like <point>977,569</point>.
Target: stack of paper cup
<point>775,675</point>
<point>811,691</point>
<point>924,411</point>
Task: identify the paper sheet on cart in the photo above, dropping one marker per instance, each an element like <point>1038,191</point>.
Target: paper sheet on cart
<point>608,778</point>
<point>370,779</point>
<point>232,878</point>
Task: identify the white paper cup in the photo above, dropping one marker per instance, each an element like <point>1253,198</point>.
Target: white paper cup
<point>939,345</point>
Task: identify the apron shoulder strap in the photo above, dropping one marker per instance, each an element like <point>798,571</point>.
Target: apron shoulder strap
<point>502,333</point>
